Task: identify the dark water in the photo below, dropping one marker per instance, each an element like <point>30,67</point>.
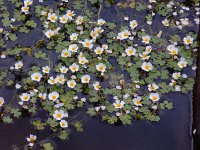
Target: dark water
<point>172,132</point>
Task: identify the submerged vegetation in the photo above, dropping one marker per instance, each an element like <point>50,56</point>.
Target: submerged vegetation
<point>66,60</point>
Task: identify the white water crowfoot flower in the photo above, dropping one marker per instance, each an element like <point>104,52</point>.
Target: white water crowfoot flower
<point>74,67</point>
<point>18,65</point>
<point>25,97</point>
<point>154,97</point>
<point>1,101</point>
<point>133,24</point>
<point>73,36</point>
<point>119,104</point>
<point>165,22</point>
<point>172,49</point>
<point>147,66</point>
<point>87,43</point>
<point>73,48</point>
<point>49,33</point>
<point>36,76</point>
<point>188,40</point>
<point>65,53</point>
<point>182,63</point>
<point>96,86</point>
<point>42,96</point>
<point>60,79</point>
<point>31,139</point>
<point>59,114</point>
<point>52,17</point>
<point>153,87</point>
<point>53,96</point>
<point>130,51</point>
<point>85,79</point>
<point>46,69</point>
<point>101,67</point>
<point>123,35</point>
<point>63,124</point>
<point>71,83</point>
<point>63,19</point>
<point>28,2</point>
<point>137,101</point>
<point>146,39</point>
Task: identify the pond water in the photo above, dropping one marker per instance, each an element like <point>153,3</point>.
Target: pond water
<point>172,132</point>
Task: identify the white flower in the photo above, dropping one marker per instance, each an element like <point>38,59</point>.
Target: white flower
<point>99,50</point>
<point>153,87</point>
<point>87,43</point>
<point>70,14</point>
<point>85,79</point>
<point>196,20</point>
<point>101,22</point>
<point>25,9</point>
<point>133,24</point>
<point>43,96</point>
<point>148,49</point>
<point>24,97</point>
<point>18,65</point>
<point>119,104</point>
<point>71,83</point>
<point>49,33</point>
<point>52,81</point>
<point>79,20</point>
<point>36,76</point>
<point>96,86</point>
<point>18,86</point>
<point>99,30</point>
<point>176,75</point>
<point>74,67</point>
<point>53,96</point>
<point>154,97</point>
<point>165,22</point>
<point>177,88</point>
<point>172,49</point>
<point>52,17</point>
<point>144,55</point>
<point>185,21</point>
<point>101,67</point>
<point>63,69</point>
<point>63,19</point>
<point>130,51</point>
<point>60,79</point>
<point>59,114</point>
<point>73,36</point>
<point>83,61</point>
<point>65,53</point>
<point>188,40</point>
<point>105,46</point>
<point>45,69</point>
<point>182,63</point>
<point>28,2</point>
<point>1,30</point>
<point>123,35</point>
<point>73,47</point>
<point>146,39</point>
<point>147,66</point>
<point>137,101</point>
<point>63,124</point>
<point>1,101</point>
<point>31,139</point>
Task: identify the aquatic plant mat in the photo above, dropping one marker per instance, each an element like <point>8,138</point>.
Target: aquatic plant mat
<point>120,72</point>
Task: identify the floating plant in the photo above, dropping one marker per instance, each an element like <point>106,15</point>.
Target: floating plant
<point>64,59</point>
